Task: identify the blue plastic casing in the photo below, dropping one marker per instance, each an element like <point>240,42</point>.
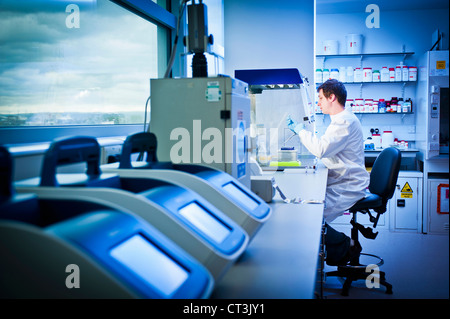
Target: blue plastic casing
<point>206,220</point>
<point>254,205</point>
<point>146,142</point>
<point>137,255</point>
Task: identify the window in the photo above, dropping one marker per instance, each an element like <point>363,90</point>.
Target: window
<point>79,62</point>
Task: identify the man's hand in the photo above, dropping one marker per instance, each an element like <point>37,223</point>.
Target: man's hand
<point>293,125</point>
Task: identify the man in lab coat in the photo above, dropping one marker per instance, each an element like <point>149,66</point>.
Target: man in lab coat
<point>341,150</point>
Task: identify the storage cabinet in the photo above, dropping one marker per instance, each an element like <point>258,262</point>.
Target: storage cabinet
<point>406,204</point>
<point>404,209</point>
<point>438,206</point>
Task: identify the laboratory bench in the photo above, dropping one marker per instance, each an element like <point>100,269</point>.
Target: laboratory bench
<point>409,158</point>
<point>408,152</point>
<point>281,262</point>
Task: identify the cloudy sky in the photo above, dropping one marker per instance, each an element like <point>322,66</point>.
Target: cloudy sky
<point>104,65</point>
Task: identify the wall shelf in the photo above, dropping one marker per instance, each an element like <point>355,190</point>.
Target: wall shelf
<point>360,115</point>
<point>363,55</point>
<point>372,113</point>
<point>361,84</point>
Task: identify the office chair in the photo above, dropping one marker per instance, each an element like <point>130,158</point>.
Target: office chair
<point>383,180</point>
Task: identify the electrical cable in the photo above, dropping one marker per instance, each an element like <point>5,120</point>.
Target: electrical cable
<point>145,116</point>
<point>172,55</point>
<point>170,64</point>
<point>439,39</point>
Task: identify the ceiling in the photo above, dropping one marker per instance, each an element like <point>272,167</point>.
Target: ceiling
<point>348,6</point>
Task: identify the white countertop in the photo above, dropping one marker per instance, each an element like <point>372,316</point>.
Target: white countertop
<point>281,261</point>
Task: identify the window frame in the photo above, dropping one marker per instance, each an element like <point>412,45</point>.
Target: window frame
<point>147,10</point>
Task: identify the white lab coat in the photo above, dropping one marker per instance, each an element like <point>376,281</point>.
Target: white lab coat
<point>341,150</point>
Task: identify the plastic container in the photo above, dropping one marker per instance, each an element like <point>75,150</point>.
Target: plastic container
<point>367,74</point>
<point>318,76</point>
<point>376,138</point>
<point>400,105</point>
<point>376,76</point>
<point>405,73</point>
<point>330,47</point>
<point>375,106</point>
<point>359,105</point>
<point>325,75</point>
<point>391,74</point>
<point>412,73</point>
<point>381,106</point>
<point>368,106</point>
<point>350,75</point>
<point>357,75</point>
<point>287,155</point>
<point>342,74</point>
<point>384,74</point>
<point>398,73</point>
<point>334,74</point>
<point>387,139</point>
<point>354,43</point>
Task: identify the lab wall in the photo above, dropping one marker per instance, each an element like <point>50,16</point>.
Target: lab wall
<point>399,31</point>
<point>263,34</point>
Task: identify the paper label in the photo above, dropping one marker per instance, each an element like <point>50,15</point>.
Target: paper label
<point>213,93</point>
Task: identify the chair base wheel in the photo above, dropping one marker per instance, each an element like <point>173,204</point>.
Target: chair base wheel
<point>358,272</point>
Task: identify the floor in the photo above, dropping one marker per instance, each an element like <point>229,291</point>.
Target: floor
<point>417,266</point>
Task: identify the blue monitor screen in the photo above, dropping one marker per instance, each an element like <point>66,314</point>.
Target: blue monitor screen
<point>150,264</point>
<point>240,196</point>
<point>205,222</point>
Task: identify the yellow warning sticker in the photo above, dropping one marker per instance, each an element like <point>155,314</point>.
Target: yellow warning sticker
<point>406,195</point>
<point>440,65</point>
<point>406,188</point>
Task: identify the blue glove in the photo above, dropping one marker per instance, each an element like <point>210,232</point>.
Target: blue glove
<point>293,125</point>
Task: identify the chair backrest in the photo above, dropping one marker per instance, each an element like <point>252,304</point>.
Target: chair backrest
<point>384,174</point>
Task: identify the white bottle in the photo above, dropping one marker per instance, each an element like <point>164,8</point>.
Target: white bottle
<point>325,75</point>
<point>398,73</point>
<point>359,105</point>
<point>342,74</point>
<point>387,139</point>
<point>384,74</point>
<point>405,73</point>
<point>412,73</point>
<point>318,76</point>
<point>367,74</point>
<point>357,75</point>
<point>334,74</point>
<point>376,77</point>
<point>375,106</point>
<point>349,75</point>
<point>391,74</point>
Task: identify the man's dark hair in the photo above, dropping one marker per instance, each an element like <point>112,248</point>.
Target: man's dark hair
<point>334,87</point>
